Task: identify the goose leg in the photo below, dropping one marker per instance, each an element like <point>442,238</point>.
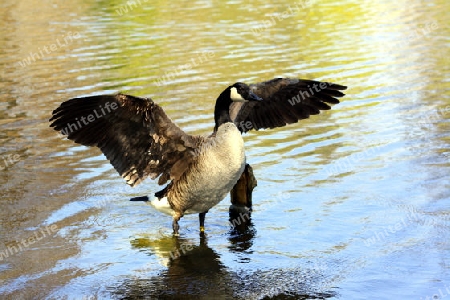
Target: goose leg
<point>201,217</point>
<point>175,225</point>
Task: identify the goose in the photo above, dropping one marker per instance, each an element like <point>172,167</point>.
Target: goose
<point>141,141</point>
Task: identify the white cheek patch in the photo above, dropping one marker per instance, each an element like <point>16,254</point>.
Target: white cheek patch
<point>235,96</point>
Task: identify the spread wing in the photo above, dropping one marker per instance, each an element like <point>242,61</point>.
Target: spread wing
<point>285,101</point>
<point>134,134</point>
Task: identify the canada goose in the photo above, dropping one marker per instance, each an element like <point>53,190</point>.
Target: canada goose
<point>141,141</point>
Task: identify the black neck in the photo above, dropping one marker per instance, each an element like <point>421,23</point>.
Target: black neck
<point>222,109</point>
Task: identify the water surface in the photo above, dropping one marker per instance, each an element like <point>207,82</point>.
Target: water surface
<point>350,204</point>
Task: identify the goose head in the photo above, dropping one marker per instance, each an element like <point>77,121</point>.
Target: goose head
<point>238,92</point>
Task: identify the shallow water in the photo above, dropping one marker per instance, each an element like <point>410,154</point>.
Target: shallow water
<point>350,204</point>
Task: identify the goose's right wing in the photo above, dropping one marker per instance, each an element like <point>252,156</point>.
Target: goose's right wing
<point>134,134</point>
<point>285,101</point>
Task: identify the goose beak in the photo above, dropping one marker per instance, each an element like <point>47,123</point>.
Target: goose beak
<point>253,97</point>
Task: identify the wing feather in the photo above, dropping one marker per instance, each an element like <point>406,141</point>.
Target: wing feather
<point>134,133</point>
<point>285,101</point>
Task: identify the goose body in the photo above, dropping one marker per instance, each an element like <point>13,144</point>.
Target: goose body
<point>140,140</point>
<point>219,163</point>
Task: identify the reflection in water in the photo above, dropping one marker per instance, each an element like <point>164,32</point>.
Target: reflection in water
<point>194,270</point>
<point>242,232</point>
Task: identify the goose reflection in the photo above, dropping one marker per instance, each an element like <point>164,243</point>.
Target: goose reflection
<point>242,231</point>
<point>193,270</point>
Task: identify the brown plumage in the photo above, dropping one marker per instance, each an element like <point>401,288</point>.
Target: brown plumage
<point>140,141</point>
<point>285,101</point>
<point>134,133</point>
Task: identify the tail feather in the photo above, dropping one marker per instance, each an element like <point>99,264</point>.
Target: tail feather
<point>141,198</point>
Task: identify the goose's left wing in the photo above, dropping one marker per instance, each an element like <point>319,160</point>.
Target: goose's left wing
<point>134,133</point>
<point>285,101</point>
